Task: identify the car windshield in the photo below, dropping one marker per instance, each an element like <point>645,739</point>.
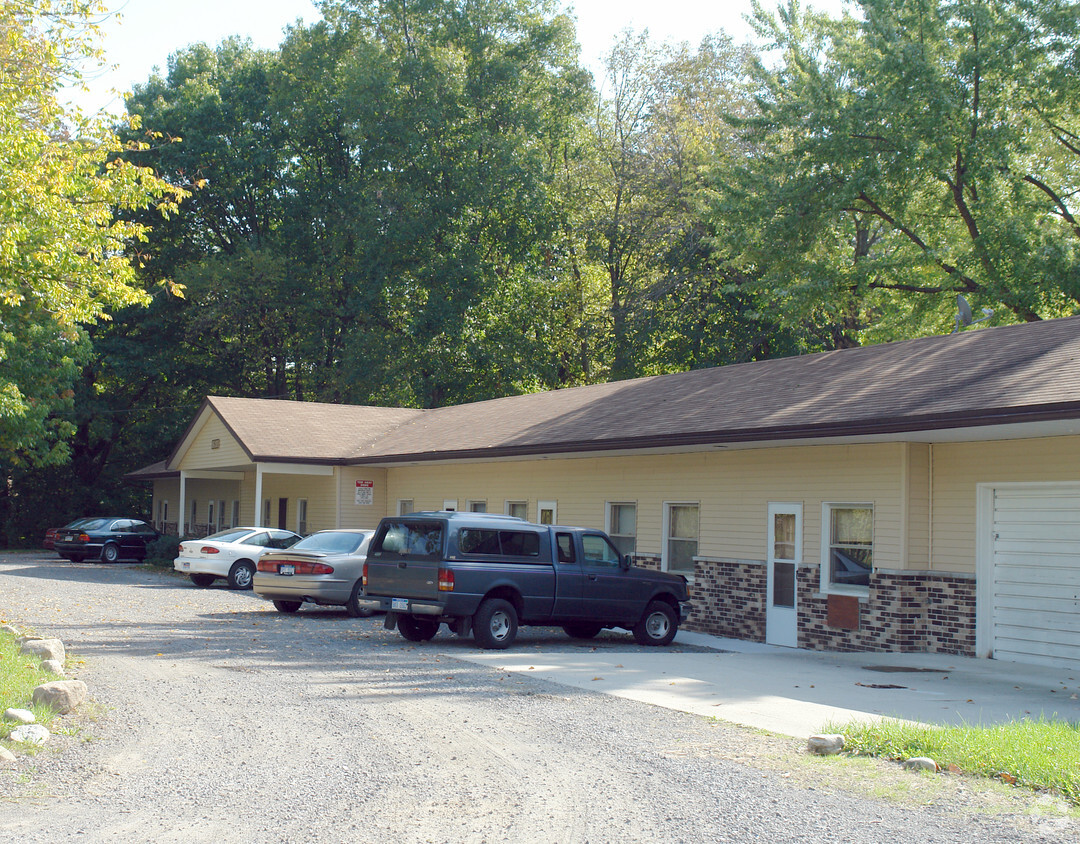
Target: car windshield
<point>332,542</point>
<point>231,535</point>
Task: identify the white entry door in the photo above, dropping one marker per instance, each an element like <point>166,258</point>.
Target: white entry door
<point>785,553</point>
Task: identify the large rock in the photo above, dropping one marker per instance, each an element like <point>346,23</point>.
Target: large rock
<point>45,648</point>
<point>6,755</point>
<point>53,667</point>
<point>22,716</point>
<point>921,763</point>
<point>7,628</point>
<point>30,734</point>
<point>61,695</point>
<point>828,744</point>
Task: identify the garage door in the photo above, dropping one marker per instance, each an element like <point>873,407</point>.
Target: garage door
<point>1036,574</point>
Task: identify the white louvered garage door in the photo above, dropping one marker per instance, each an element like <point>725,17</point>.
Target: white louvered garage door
<point>1036,566</point>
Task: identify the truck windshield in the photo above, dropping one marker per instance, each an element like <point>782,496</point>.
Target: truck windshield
<point>409,539</point>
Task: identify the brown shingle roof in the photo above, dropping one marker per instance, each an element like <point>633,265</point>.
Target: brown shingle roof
<point>306,431</point>
<point>1015,373</point>
<point>1018,373</point>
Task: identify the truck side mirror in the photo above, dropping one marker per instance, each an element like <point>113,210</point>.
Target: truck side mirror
<point>624,562</point>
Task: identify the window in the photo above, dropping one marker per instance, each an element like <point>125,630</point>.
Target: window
<point>210,517</point>
<point>622,527</point>
<point>518,509</point>
<point>597,551</point>
<point>266,512</point>
<point>506,543</point>
<point>408,539</point>
<point>547,512</point>
<point>405,506</point>
<point>163,514</point>
<point>194,513</point>
<point>849,556</point>
<point>221,514</point>
<point>301,515</point>
<point>565,543</point>
<point>680,538</point>
<point>477,506</point>
<point>235,520</point>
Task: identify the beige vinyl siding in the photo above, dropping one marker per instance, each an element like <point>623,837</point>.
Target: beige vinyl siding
<point>958,467</point>
<point>317,489</point>
<point>167,490</point>
<point>917,481</point>
<point>354,516</point>
<point>201,455</point>
<point>733,489</point>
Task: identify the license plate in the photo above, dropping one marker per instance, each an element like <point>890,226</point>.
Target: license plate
<point>287,570</point>
<point>185,565</point>
<point>399,604</point>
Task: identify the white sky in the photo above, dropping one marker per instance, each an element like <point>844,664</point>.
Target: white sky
<point>145,32</point>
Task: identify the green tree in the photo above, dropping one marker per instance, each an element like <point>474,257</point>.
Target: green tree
<point>63,245</point>
<point>910,155</point>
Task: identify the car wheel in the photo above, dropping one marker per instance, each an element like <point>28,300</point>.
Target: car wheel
<point>658,625</point>
<point>110,553</point>
<point>241,575</point>
<point>353,608</point>
<point>202,580</point>
<point>287,606</point>
<point>495,624</point>
<point>417,629</point>
<point>582,630</point>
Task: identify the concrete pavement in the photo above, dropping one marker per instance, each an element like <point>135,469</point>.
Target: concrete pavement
<point>797,692</point>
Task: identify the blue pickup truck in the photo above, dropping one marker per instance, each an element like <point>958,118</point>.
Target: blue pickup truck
<point>488,574</point>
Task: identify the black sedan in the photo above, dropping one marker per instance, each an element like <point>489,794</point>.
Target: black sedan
<point>107,539</point>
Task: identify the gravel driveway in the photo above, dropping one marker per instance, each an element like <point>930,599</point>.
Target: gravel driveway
<point>214,718</point>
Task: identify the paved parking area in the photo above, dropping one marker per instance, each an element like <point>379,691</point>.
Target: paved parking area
<point>797,692</point>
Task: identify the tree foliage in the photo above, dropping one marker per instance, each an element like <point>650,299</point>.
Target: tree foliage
<point>919,151</point>
<point>63,259</point>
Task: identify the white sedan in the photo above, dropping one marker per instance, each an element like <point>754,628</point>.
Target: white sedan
<point>230,553</point>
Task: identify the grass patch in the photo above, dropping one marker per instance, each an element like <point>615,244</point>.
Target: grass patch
<point>1042,755</point>
<point>20,674</point>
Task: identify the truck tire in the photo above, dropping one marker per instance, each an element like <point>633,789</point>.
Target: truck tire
<point>658,625</point>
<point>495,624</point>
<point>581,630</point>
<point>417,629</point>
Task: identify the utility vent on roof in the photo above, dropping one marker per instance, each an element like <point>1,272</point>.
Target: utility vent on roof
<point>215,443</point>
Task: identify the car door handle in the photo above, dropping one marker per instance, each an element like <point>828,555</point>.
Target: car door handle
<point>401,565</point>
<point>593,577</point>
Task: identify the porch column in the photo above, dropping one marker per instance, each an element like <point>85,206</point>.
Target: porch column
<point>180,512</point>
<point>257,522</point>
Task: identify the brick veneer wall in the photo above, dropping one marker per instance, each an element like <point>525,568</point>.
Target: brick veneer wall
<point>905,612</point>
<point>729,599</point>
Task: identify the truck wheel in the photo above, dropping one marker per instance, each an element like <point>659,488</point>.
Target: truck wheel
<point>202,580</point>
<point>241,575</point>
<point>287,606</point>
<point>658,625</point>
<point>353,608</point>
<point>495,624</point>
<point>582,630</point>
<point>417,629</point>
